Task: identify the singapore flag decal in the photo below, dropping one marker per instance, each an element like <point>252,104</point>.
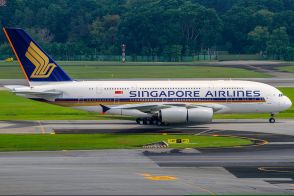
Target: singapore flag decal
<point>119,92</point>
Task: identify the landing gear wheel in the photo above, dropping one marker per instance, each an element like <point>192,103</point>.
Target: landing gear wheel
<point>144,121</point>
<point>272,120</point>
<point>140,121</point>
<point>159,123</point>
<point>147,121</point>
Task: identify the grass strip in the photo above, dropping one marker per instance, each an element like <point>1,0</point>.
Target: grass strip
<point>47,142</point>
<point>106,70</point>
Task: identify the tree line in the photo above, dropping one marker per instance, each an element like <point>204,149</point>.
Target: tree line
<point>156,27</point>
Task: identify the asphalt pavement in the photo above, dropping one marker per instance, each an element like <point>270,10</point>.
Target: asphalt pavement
<point>264,168</point>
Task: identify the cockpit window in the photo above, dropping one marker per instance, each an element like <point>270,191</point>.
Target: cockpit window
<point>281,95</point>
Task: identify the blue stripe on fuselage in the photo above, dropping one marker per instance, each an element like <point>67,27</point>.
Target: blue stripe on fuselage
<point>154,99</point>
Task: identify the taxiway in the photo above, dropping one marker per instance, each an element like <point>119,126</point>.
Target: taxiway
<point>282,126</point>
<point>265,168</point>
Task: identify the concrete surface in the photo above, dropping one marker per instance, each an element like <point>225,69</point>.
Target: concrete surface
<point>118,172</point>
<point>260,169</point>
<point>282,126</point>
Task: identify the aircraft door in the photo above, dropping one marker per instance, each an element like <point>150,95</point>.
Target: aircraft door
<point>84,95</point>
<point>99,91</point>
<point>99,94</point>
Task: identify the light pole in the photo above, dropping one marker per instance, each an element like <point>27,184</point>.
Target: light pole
<point>123,53</point>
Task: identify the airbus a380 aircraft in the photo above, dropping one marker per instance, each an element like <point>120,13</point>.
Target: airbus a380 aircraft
<point>151,102</point>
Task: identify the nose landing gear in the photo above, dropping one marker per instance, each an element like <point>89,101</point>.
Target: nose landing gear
<point>272,118</point>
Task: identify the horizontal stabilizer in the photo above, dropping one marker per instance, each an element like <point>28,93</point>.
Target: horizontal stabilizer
<point>25,90</point>
<point>12,87</point>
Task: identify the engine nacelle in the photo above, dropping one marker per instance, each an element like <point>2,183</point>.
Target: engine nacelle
<point>200,115</point>
<point>184,115</point>
<point>173,115</point>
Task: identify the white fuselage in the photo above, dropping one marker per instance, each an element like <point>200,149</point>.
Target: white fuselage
<point>152,102</point>
<point>224,96</point>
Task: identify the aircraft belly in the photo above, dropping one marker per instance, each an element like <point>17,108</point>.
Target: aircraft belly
<point>245,108</point>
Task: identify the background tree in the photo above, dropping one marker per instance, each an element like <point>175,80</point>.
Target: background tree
<point>259,38</point>
<point>154,27</point>
<point>278,43</point>
<point>285,19</point>
<point>238,22</point>
<point>199,26</point>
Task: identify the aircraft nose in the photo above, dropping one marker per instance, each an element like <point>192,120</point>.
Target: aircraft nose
<point>288,102</point>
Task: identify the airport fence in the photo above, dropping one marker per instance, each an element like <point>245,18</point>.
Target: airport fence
<point>194,58</point>
<point>136,58</point>
<point>200,57</point>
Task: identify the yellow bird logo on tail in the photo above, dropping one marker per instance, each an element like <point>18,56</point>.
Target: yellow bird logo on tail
<point>40,60</point>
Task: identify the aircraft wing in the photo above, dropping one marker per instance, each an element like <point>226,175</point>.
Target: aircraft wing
<point>154,107</point>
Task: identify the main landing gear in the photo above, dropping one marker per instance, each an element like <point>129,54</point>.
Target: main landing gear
<point>272,118</point>
<point>149,121</point>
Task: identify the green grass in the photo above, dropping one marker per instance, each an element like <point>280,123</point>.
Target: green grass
<point>106,70</point>
<point>13,107</point>
<point>108,141</point>
<point>286,68</point>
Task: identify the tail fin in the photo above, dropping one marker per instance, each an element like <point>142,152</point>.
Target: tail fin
<point>36,64</point>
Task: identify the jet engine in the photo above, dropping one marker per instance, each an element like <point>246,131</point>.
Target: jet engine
<point>184,115</point>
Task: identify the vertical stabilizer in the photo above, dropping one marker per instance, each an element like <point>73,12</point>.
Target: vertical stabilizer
<point>36,64</point>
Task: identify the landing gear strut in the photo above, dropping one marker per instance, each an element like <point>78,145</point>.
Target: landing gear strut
<point>272,118</point>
